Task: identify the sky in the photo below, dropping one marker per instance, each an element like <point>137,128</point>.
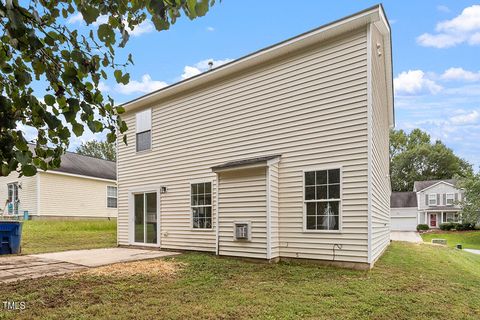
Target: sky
<point>436,51</point>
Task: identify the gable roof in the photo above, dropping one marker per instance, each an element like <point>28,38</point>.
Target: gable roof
<point>75,163</point>
<point>403,200</point>
<point>422,185</point>
<point>375,14</point>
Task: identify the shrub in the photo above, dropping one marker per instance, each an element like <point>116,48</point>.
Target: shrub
<point>447,226</point>
<point>422,227</point>
<point>465,226</point>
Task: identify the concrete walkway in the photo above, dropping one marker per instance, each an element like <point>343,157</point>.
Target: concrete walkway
<point>407,236</point>
<point>472,251</point>
<point>17,268</point>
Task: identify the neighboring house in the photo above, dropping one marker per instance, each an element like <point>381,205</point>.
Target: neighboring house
<point>279,154</point>
<point>431,202</point>
<point>83,187</point>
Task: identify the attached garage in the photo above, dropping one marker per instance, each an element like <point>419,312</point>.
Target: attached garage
<point>403,211</point>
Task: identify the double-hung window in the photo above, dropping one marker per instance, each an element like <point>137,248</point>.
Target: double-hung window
<point>201,204</point>
<point>143,130</point>
<point>111,197</point>
<point>452,217</point>
<point>432,199</point>
<point>450,199</point>
<point>322,200</point>
<point>13,198</point>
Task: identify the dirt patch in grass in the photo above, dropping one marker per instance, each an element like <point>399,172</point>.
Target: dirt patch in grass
<point>157,268</point>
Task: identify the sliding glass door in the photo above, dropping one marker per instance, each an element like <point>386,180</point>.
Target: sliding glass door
<point>145,217</point>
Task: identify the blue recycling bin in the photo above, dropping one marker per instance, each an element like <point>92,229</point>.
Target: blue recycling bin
<point>10,236</point>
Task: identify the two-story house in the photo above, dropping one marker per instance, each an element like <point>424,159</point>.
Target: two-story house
<point>280,154</point>
<point>431,202</point>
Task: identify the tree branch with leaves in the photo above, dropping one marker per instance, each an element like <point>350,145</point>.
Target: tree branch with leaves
<point>36,46</point>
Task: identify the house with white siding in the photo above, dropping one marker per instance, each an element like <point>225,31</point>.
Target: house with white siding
<point>281,154</point>
<point>431,202</point>
<point>82,187</point>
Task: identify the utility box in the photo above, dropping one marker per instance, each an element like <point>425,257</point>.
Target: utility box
<point>10,236</point>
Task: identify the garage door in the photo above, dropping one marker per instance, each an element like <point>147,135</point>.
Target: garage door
<point>404,223</point>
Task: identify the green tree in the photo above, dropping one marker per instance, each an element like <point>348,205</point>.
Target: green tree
<point>414,157</point>
<point>471,200</point>
<point>98,149</point>
<point>37,46</point>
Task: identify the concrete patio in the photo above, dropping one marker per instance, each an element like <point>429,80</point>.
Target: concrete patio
<point>17,268</point>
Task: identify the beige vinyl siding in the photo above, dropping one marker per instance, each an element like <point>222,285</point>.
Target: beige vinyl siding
<point>274,219</point>
<point>380,183</point>
<point>69,196</point>
<point>243,198</point>
<point>310,107</point>
<point>27,194</point>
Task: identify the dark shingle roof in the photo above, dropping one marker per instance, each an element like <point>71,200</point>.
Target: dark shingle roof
<point>420,185</point>
<point>243,162</point>
<point>403,200</point>
<point>88,166</point>
<point>75,163</point>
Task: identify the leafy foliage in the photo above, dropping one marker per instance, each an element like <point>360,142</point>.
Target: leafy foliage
<point>422,227</point>
<point>413,157</point>
<point>98,149</point>
<point>37,46</point>
<point>471,200</point>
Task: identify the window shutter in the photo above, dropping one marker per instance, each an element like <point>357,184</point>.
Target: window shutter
<point>444,199</point>
<point>456,197</point>
<point>426,199</point>
<point>144,121</point>
<point>438,199</point>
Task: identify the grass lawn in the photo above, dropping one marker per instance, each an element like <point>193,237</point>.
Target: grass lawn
<point>409,282</point>
<point>469,239</point>
<point>57,235</point>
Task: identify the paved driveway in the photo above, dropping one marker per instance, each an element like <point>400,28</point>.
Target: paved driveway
<point>15,268</point>
<point>408,236</point>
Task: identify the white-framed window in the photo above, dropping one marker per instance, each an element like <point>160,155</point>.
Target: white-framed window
<point>322,200</point>
<point>452,217</point>
<point>450,199</point>
<point>111,197</point>
<point>201,204</point>
<point>432,199</point>
<point>143,130</point>
<point>12,198</point>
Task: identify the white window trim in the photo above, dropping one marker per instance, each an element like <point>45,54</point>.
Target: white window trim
<point>340,206</point>
<point>190,205</point>
<point>131,216</point>
<point>151,132</point>
<point>452,197</point>
<point>429,197</point>
<point>116,187</point>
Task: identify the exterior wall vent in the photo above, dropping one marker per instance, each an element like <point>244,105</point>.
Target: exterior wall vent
<point>242,231</point>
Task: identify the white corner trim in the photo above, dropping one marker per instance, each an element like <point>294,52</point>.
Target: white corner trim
<point>369,138</point>
<point>217,227</point>
<point>269,213</point>
<point>78,176</point>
